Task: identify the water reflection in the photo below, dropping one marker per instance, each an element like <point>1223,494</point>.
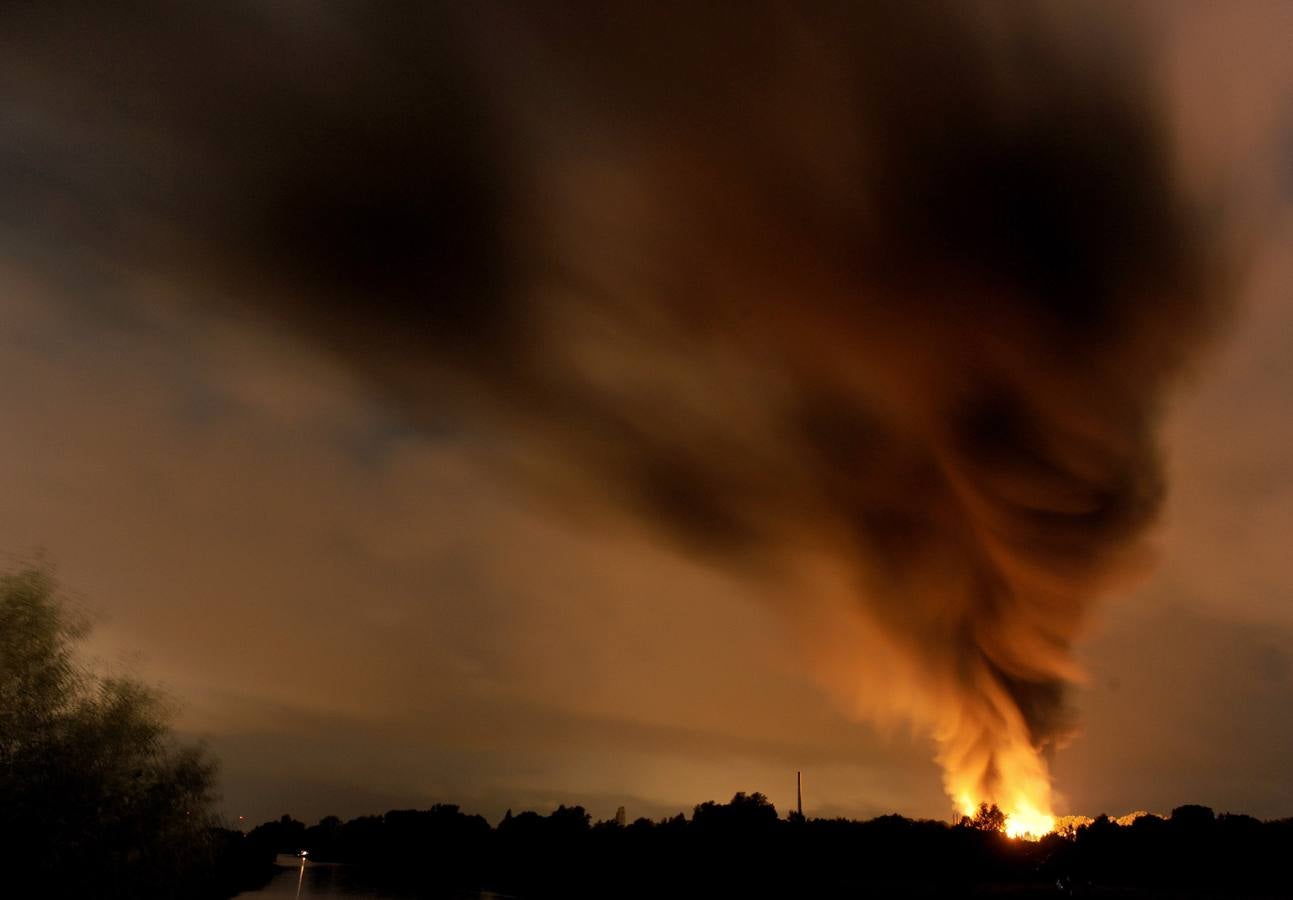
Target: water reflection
<point>316,880</point>
<point>323,880</point>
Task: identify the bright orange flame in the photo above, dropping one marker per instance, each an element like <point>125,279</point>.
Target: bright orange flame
<point>1023,821</point>
<point>988,757</point>
<point>1029,824</point>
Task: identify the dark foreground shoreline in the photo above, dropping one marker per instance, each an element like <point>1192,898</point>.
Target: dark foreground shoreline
<point>744,849</point>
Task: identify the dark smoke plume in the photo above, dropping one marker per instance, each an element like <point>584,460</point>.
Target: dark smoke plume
<point>896,284</point>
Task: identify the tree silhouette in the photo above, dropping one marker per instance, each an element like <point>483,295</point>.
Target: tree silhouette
<point>88,768</point>
<point>741,849</point>
<point>986,818</point>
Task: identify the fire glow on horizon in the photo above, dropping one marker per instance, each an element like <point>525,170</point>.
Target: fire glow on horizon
<point>1029,824</point>
<point>903,336</point>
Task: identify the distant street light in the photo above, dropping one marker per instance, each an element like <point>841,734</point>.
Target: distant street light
<point>300,874</point>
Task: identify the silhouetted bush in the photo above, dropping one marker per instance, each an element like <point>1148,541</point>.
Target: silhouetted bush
<point>96,798</point>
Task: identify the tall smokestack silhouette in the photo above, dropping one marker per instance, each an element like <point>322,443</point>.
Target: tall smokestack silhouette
<point>887,291</point>
<point>799,794</point>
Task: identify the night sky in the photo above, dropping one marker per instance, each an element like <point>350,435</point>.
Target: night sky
<point>512,408</point>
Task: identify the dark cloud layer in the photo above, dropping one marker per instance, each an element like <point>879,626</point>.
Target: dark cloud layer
<point>901,287</point>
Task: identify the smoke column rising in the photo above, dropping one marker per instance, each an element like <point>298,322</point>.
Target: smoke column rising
<point>898,288</point>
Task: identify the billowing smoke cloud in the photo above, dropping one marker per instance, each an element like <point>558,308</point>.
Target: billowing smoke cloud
<point>900,287</point>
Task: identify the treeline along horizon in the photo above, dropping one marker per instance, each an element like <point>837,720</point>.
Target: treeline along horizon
<point>743,848</point>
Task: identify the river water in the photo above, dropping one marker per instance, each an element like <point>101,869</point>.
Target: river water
<point>323,880</point>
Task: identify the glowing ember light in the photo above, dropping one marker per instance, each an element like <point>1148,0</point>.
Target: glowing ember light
<point>1028,824</point>
<point>993,766</point>
<point>1024,822</point>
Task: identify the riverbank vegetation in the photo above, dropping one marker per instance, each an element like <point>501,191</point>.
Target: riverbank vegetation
<point>743,848</point>
<point>97,797</point>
